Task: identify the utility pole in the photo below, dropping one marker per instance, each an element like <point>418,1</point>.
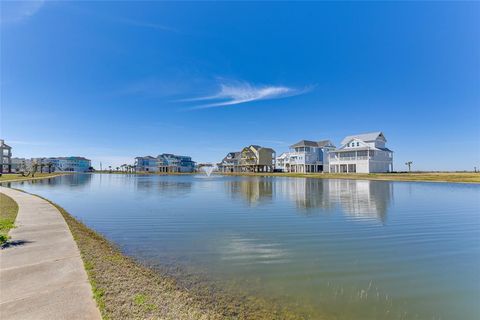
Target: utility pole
<point>409,164</point>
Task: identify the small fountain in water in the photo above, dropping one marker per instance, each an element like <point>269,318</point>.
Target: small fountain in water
<point>208,169</point>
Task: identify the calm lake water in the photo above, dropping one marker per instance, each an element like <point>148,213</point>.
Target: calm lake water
<point>342,249</point>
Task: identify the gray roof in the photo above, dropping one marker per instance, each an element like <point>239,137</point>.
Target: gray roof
<point>309,143</point>
<point>268,149</point>
<point>371,136</point>
<point>235,156</point>
<point>257,147</point>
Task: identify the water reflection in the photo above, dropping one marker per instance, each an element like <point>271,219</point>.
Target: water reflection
<point>77,181</point>
<point>362,199</point>
<point>171,188</point>
<point>255,190</point>
<point>308,194</point>
<point>359,199</point>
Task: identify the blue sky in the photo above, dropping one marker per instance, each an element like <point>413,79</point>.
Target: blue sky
<point>111,81</point>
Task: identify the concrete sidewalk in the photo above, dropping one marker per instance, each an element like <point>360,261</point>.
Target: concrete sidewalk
<point>42,276</point>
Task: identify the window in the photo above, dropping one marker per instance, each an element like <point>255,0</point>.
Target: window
<point>358,144</point>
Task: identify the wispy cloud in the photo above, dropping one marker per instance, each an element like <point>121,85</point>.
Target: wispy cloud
<point>17,11</point>
<point>242,92</point>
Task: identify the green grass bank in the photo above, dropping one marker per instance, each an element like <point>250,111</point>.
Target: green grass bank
<point>8,214</point>
<point>457,177</point>
<point>13,177</point>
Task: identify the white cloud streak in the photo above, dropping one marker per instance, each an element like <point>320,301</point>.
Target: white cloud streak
<point>243,92</point>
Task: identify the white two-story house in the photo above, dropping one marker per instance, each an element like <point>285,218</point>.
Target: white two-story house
<point>362,153</point>
<point>305,156</point>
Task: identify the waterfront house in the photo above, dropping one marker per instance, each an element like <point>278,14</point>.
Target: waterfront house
<point>362,153</point>
<point>146,164</point>
<point>5,157</point>
<point>165,162</point>
<point>71,164</point>
<point>231,162</point>
<point>255,158</point>
<point>305,156</point>
<point>174,163</point>
<point>59,164</point>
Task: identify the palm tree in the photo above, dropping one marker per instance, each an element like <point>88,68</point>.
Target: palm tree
<point>34,168</point>
<point>110,169</point>
<point>409,164</point>
<point>49,165</point>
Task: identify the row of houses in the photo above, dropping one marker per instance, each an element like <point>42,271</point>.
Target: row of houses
<point>52,164</point>
<point>9,164</point>
<point>165,162</point>
<point>361,153</point>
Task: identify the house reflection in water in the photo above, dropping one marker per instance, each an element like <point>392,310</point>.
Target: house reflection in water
<point>170,188</point>
<point>254,190</point>
<point>356,198</point>
<point>362,199</point>
<point>307,193</point>
<point>79,180</point>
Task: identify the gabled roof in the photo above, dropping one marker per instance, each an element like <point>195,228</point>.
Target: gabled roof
<point>283,155</point>
<point>323,143</point>
<point>371,136</point>
<point>258,148</point>
<point>309,143</point>
<point>234,156</point>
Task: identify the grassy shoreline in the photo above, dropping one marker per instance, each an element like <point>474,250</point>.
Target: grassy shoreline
<point>15,177</point>
<point>455,177</point>
<point>8,214</point>
<point>126,289</point>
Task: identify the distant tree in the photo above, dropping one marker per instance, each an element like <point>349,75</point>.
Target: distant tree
<point>34,168</point>
<point>49,166</point>
<point>110,169</point>
<point>409,165</point>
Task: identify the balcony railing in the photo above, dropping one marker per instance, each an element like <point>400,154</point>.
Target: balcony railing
<point>349,158</point>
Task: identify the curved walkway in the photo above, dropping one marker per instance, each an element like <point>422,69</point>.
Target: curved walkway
<point>42,274</point>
